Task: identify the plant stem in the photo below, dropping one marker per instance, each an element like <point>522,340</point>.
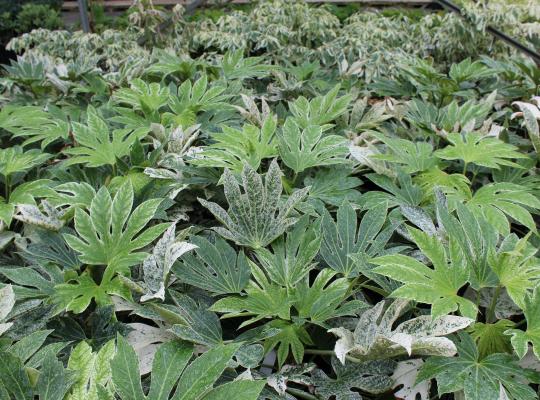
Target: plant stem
<point>301,394</point>
<point>8,187</point>
<point>330,353</point>
<point>491,310</point>
<point>465,168</point>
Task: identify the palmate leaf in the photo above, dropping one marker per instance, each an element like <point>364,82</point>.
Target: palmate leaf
<point>54,381</point>
<point>402,191</point>
<point>291,338</point>
<point>305,148</point>
<point>255,218</point>
<point>232,147</point>
<point>484,151</point>
<point>15,160</point>
<point>320,110</point>
<point>475,237</point>
<point>410,156</point>
<point>191,99</point>
<point>235,66</point>
<point>23,120</point>
<point>195,381</point>
<point>376,338</point>
<point>95,146</point>
<point>479,377</point>
<point>516,266</point>
<point>498,201</point>
<point>34,124</point>
<point>263,299</point>
<point>344,237</point>
<point>197,324</point>
<point>373,377</point>
<point>292,257</point>
<point>77,294</point>
<point>143,96</point>
<point>324,298</point>
<point>438,286</point>
<point>110,234</point>
<point>521,339</point>
<point>215,267</point>
<point>333,186</point>
<point>491,338</point>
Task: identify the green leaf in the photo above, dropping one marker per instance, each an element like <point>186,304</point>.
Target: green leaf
<point>199,325</point>
<point>215,267</point>
<point>14,378</point>
<point>231,148</point>
<point>255,218</point>
<point>54,381</point>
<point>169,363</point>
<point>344,237</point>
<point>497,202</point>
<point>484,151</point>
<point>110,233</point>
<point>28,345</point>
<point>142,96</point>
<point>292,257</point>
<point>516,267</point>
<point>263,299</point>
<point>479,378</point>
<point>438,286</point>
<point>333,186</point>
<point>410,156</point>
<point>301,149</point>
<point>239,390</point>
<point>521,339</point>
<point>235,66</point>
<point>95,146</point>
<point>125,371</point>
<point>290,338</point>
<point>320,110</point>
<point>474,237</point>
<point>325,298</point>
<point>14,160</point>
<point>192,99</point>
<point>77,294</point>
<point>490,338</point>
<point>199,377</point>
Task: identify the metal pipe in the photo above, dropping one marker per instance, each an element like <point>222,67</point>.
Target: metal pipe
<point>496,33</point>
<point>83,12</point>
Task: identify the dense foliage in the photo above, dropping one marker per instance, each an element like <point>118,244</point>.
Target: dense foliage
<point>274,203</point>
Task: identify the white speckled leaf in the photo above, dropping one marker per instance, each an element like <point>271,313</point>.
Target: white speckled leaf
<point>405,375</point>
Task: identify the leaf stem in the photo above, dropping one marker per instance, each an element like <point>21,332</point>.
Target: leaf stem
<point>8,187</point>
<point>301,394</point>
<point>491,310</point>
<point>331,353</point>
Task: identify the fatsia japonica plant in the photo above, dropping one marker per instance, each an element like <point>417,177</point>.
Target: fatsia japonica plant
<point>270,201</point>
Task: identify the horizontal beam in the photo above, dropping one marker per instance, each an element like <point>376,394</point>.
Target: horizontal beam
<point>72,5</point>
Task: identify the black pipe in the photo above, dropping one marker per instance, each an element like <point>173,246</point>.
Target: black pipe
<point>496,33</point>
<point>83,12</point>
